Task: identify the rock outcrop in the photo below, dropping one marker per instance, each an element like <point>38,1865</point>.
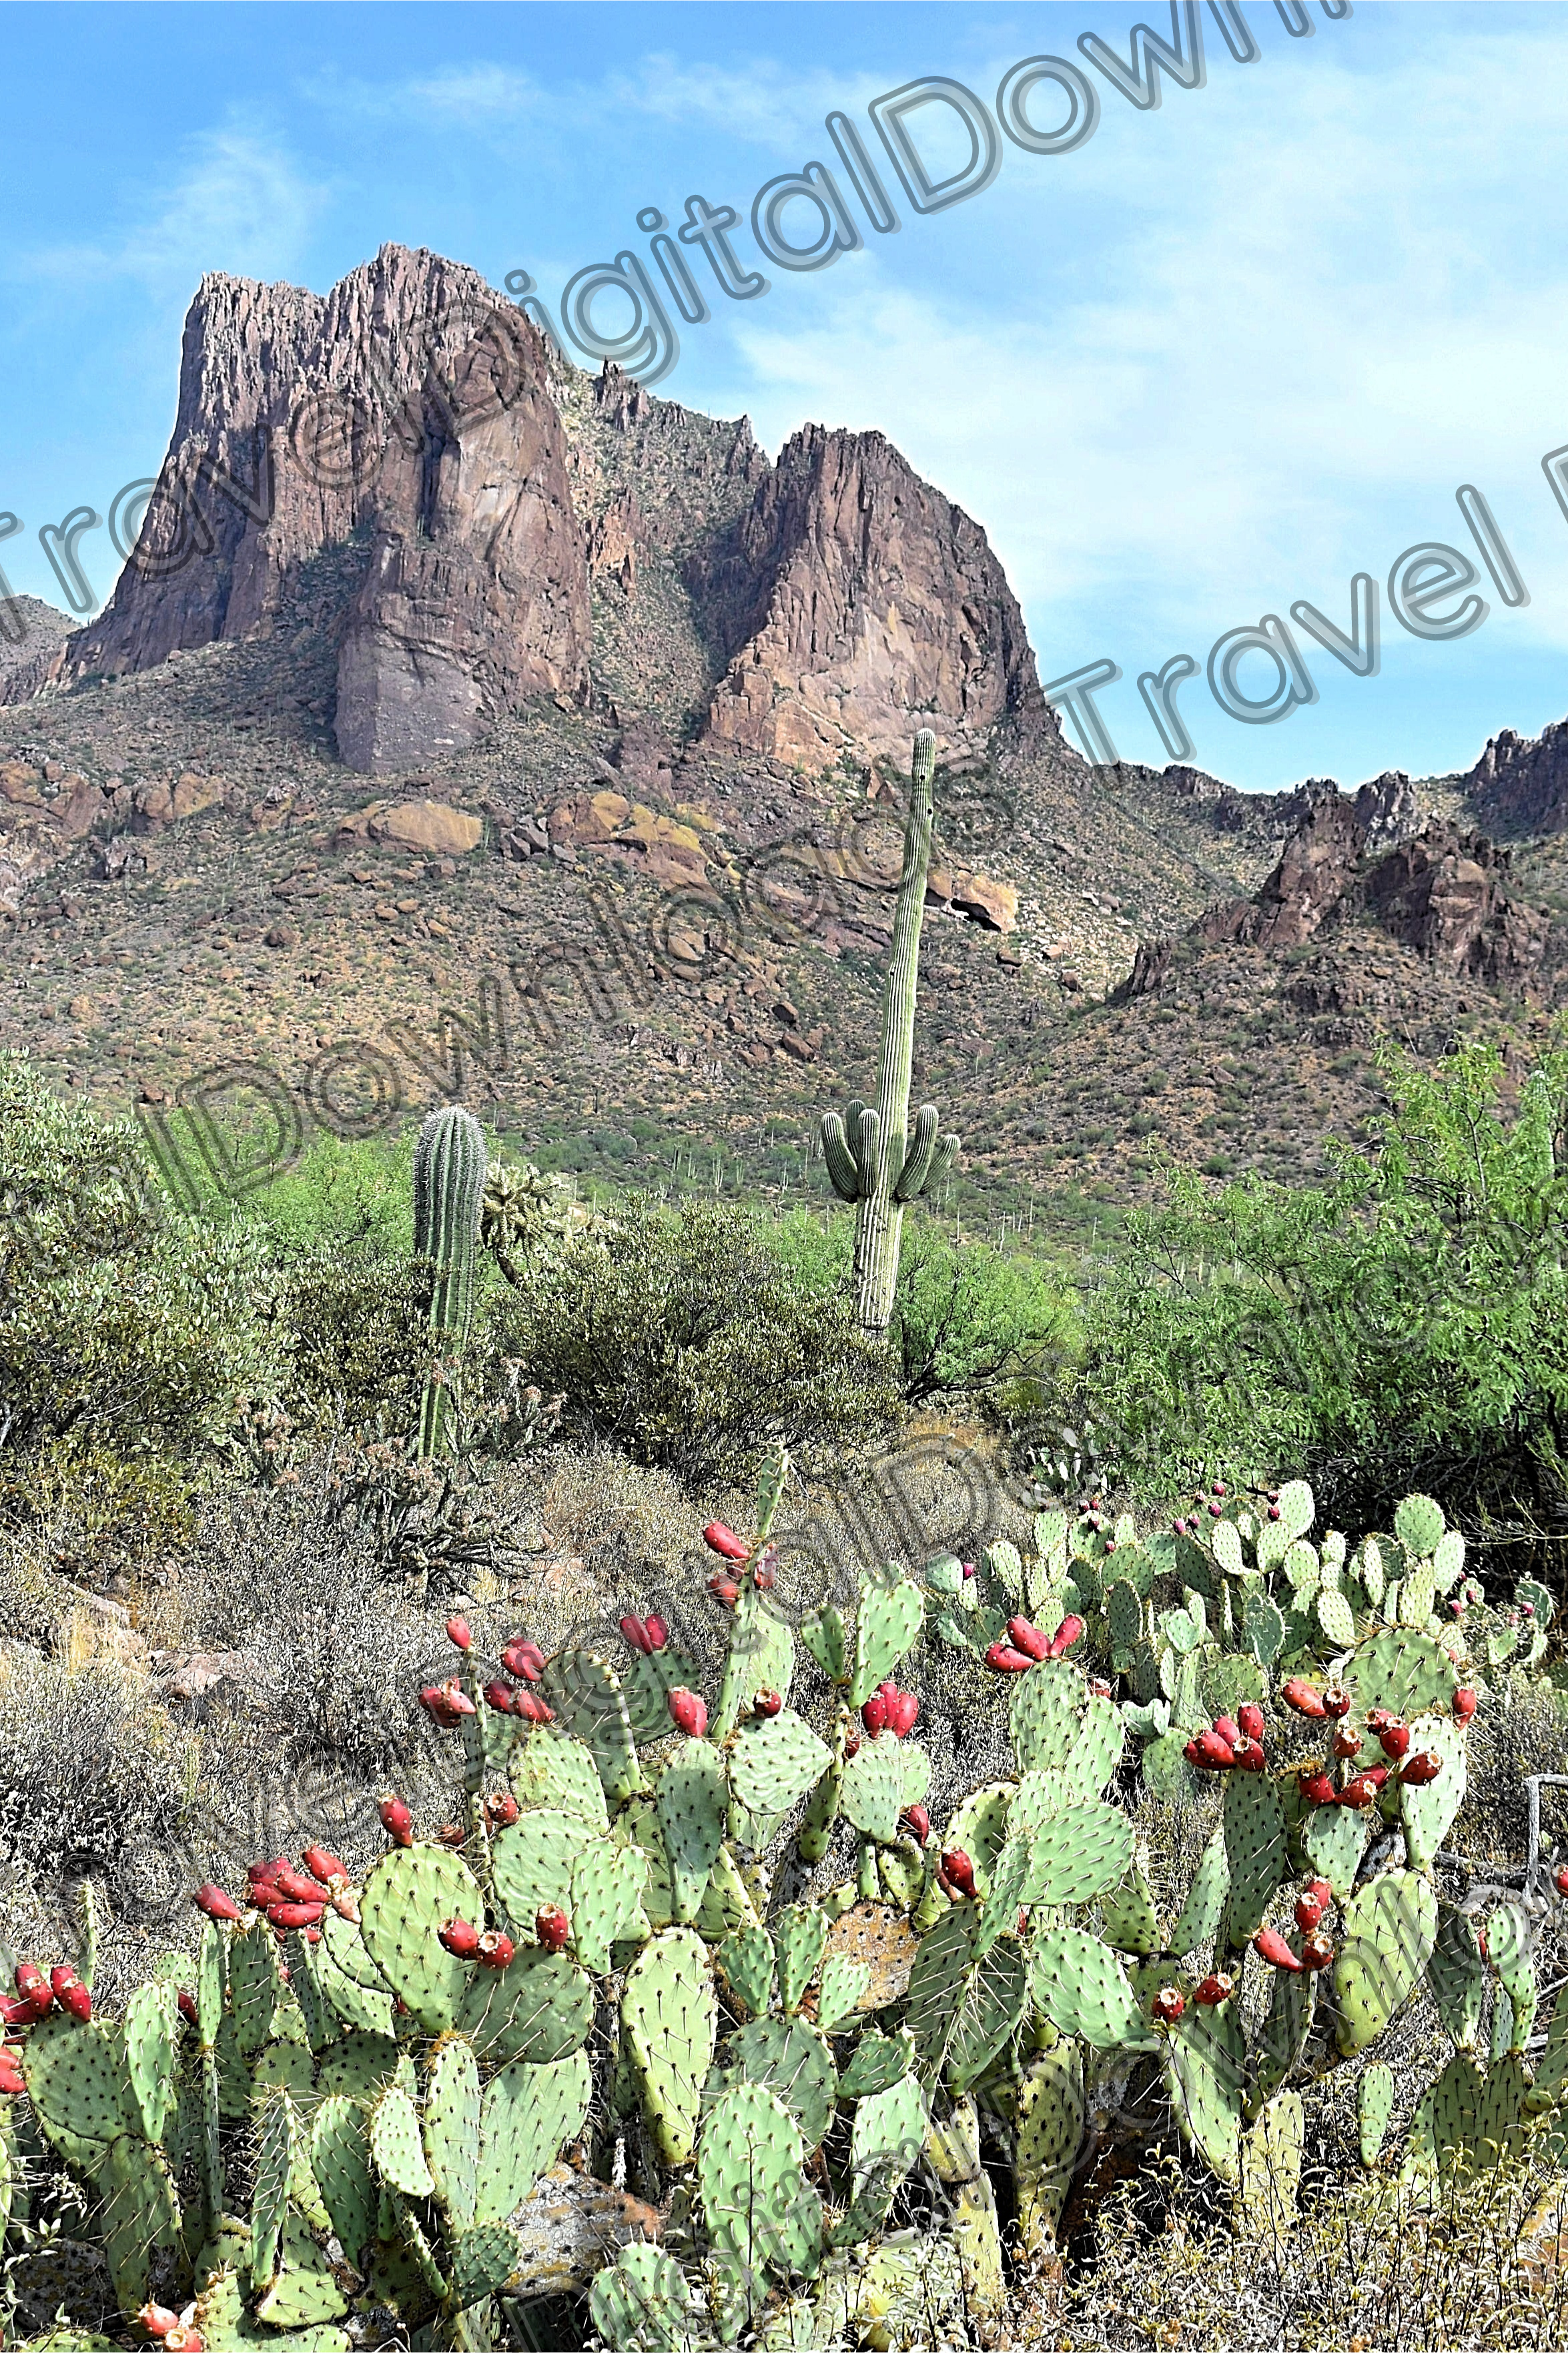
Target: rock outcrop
<point>1521,784</point>
<point>33,637</point>
<point>865,601</point>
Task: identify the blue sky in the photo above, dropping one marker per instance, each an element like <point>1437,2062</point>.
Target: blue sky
<point>1220,358</point>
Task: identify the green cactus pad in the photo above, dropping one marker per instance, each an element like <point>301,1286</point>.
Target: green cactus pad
<point>844,1984</point>
<point>585,1692</point>
<point>774,1761</point>
<point>1097,1751</point>
<point>641,2304</point>
<point>339,2159</point>
<point>885,2140</point>
<point>872,1795</point>
<point>1374,2108</point>
<point>691,1798</point>
<point>607,1907</point>
<point>1456,1975</point>
<point>269,2192</point>
<point>1403,1671</point>
<point>1078,1853</point>
<point>396,2147</point>
<point>826,1638</point>
<point>1123,1614</point>
<point>1336,1618</point>
<point>792,2059</point>
<point>140,2214</point>
<point>1389,1929</point>
<point>531,1862</point>
<point>1010,1879</point>
<point>746,1962</point>
<point>1271,2167</point>
<point>1081,1985</point>
<point>80,2088</point>
<point>451,2127</point>
<point>1507,1940</point>
<point>964,2004</point>
<point>254,1985</point>
<point>980,1828</point>
<point>1046,1714</point>
<point>638,1825</point>
<point>359,2064</point>
<point>888,1619</point>
<point>305,2294</point>
<point>1419,1524</point>
<point>1263,1628</point>
<point>483,2260</point>
<point>152,2043</point>
<point>550,1768</point>
<point>1128,1919</point>
<point>1049,2132</point>
<point>1429,1814</point>
<point>879,2060</point>
<point>1297,1510</point>
<point>647,1680</point>
<point>800,1932</point>
<point>668,2017</point>
<point>1206,2071</point>
<point>344,1946</point>
<point>538,2008</point>
<point>759,2211</point>
<point>404,1901</point>
<point>1254,1822</point>
<point>1282,2036</point>
<point>527,2116</point>
<point>1167,1770</point>
<point>1334,1839</point>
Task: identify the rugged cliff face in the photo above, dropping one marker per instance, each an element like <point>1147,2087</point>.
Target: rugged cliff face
<point>526,529</point>
<point>1521,784</point>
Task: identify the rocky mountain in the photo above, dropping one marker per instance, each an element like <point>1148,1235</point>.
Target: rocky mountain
<point>470,724</point>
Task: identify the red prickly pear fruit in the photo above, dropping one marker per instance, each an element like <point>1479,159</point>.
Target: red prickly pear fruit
<point>723,1541</point>
<point>1395,1740</point>
<point>901,1715</point>
<point>22,2010</point>
<point>524,1660</point>
<point>635,1635</point>
<point>1270,1947</point>
<point>1377,1774</point>
<point>216,1901</point>
<point>1249,1757</point>
<point>1346,1742</point>
<point>531,1708</point>
<point>494,1950</point>
<point>1464,1706</point>
<point>1317,1952</point>
<point>1316,1787</point>
<point>295,1915</point>
<point>293,1886</point>
<point>397,1820</point>
<point>453,1835</point>
<point>1028,1639</point>
<point>501,1810</point>
<point>765,1568</point>
<point>919,1821</point>
<point>324,1865</point>
<point>77,2000</point>
<point>1561,1881</point>
<point>188,2009</point>
<point>500,1695</point>
<point>1376,1717</point>
<point>1337,1700</point>
<point>1218,1488</point>
<point>460,1937</point>
<point>1424,1767</point>
<point>874,1715</point>
<point>766,1703</point>
<point>61,1976</point>
<point>34,1985</point>
<point>1228,1730</point>
<point>1215,1753</point>
<point>1069,1631</point>
<point>345,1904</point>
<point>1100,1687</point>
<point>1360,1791</point>
<point>552,1927</point>
<point>1309,1911</point>
<point>458,1633</point>
<point>1322,1894</point>
<point>1216,1987</point>
<point>959,1870</point>
<point>1178,1527</point>
<point>725,1591</point>
<point>851,1746</point>
<point>658,1633</point>
<point>1004,1661</point>
<point>11,2083</point>
<point>1274,1511</point>
<point>690,1712</point>
<point>184,2339</point>
<point>1168,2005</point>
<point>1249,1715</point>
<point>966,1568</point>
<point>1304,1697</point>
<point>156,2319</point>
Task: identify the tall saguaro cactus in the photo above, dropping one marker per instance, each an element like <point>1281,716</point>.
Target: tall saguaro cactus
<point>870,1156</point>
<point>449,1164</point>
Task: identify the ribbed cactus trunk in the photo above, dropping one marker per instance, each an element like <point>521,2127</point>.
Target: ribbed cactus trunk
<point>449,1162</point>
<point>870,1158</point>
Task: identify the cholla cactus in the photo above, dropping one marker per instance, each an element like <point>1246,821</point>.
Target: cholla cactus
<point>870,1158</point>
<point>449,1190</point>
<point>522,1205</point>
<point>785,2052</point>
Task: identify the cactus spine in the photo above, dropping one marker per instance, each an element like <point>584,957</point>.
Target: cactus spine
<point>871,1159</point>
<point>449,1168</point>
